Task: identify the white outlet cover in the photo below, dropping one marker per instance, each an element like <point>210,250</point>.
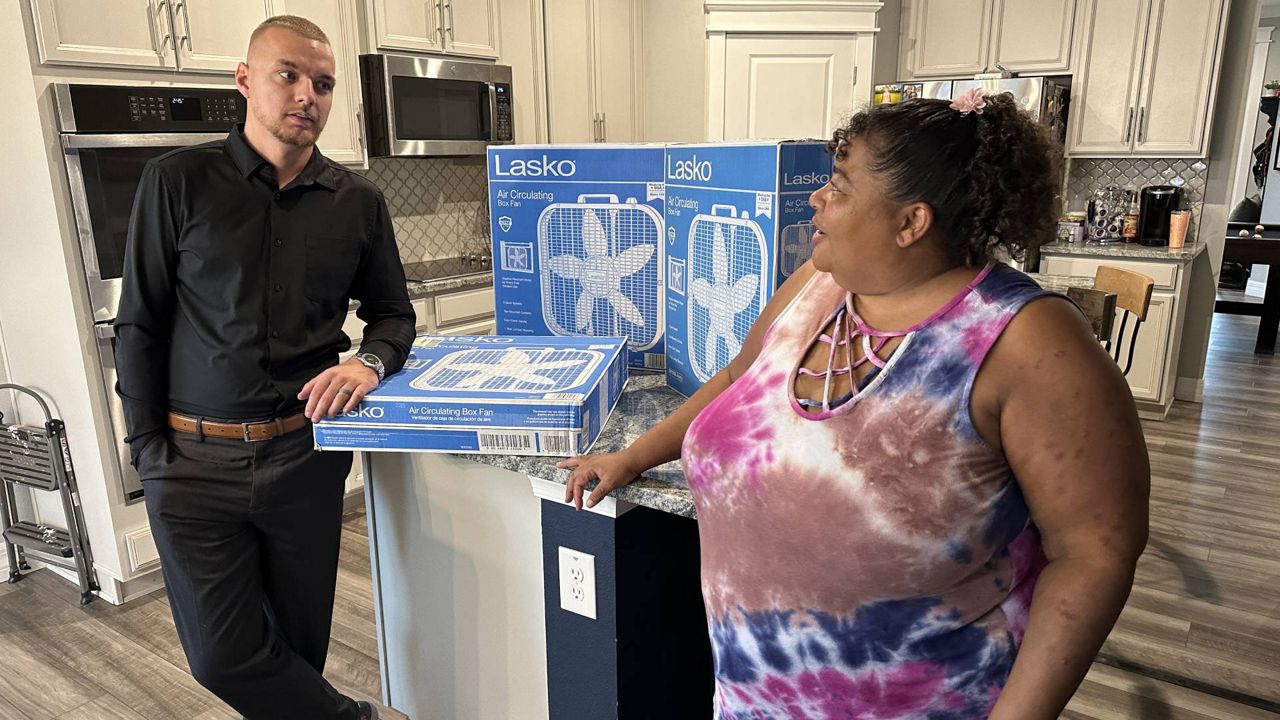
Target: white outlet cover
<point>578,582</point>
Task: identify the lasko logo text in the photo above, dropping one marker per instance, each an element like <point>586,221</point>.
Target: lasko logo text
<point>534,167</point>
<point>690,169</point>
<point>366,412</point>
<point>812,178</point>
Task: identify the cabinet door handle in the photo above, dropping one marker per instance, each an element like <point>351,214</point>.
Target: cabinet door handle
<point>604,128</point>
<point>153,21</point>
<point>360,127</point>
<point>438,30</point>
<point>162,15</point>
<point>449,28</point>
<point>1142,125</point>
<point>186,24</point>
<point>595,127</point>
<point>1128,125</point>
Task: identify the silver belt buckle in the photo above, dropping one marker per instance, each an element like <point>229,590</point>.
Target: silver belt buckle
<point>244,428</point>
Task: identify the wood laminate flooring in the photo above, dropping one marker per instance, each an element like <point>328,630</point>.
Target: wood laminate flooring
<point>1205,610</point>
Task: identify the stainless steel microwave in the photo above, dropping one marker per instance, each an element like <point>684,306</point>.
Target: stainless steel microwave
<point>419,106</point>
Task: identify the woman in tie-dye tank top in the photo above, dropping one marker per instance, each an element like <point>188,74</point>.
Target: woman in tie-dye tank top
<point>921,486</point>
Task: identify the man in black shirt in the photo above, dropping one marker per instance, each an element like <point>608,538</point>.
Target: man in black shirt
<point>241,259</point>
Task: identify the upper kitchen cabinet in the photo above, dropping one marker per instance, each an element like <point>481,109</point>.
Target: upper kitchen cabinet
<point>214,34</point>
<point>105,32</point>
<point>948,38</point>
<point>592,86</point>
<point>196,35</point>
<point>1146,82</point>
<point>957,38</point>
<point>793,70</point>
<point>462,27</point>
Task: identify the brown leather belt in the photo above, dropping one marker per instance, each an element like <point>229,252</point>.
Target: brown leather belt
<point>248,432</point>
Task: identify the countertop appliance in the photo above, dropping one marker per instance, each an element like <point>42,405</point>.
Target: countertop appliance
<point>108,133</point>
<point>1046,98</point>
<point>1153,213</point>
<point>421,106</point>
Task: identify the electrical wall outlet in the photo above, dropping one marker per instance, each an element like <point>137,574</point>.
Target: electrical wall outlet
<point>578,582</point>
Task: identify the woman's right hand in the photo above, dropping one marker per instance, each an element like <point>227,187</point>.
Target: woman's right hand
<point>613,470</point>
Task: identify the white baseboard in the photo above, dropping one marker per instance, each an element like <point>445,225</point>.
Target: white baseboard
<point>1189,389</point>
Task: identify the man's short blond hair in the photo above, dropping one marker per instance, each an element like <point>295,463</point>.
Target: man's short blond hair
<point>300,25</point>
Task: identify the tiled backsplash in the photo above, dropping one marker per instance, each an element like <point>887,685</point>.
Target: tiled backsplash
<point>439,206</point>
<point>1089,174</point>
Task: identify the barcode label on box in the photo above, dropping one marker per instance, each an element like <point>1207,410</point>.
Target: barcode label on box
<point>506,441</point>
<point>572,397</point>
<point>556,444</point>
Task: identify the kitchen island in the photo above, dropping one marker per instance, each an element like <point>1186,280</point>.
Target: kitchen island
<point>465,553</point>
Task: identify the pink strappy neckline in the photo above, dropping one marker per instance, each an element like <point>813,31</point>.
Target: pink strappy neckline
<point>854,327</point>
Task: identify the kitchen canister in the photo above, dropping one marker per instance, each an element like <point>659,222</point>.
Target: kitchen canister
<point>1107,209</point>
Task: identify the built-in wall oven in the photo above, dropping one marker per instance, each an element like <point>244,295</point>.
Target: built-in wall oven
<point>108,134</point>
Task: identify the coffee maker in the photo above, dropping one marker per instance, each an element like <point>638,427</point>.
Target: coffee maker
<point>1153,213</point>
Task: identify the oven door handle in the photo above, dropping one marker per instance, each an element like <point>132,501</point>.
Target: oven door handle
<point>70,142</point>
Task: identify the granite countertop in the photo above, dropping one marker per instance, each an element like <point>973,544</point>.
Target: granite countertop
<point>436,276</point>
<point>1132,251</point>
<point>1060,283</point>
<point>645,401</point>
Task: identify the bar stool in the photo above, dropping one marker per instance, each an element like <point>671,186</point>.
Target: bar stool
<point>1133,298</point>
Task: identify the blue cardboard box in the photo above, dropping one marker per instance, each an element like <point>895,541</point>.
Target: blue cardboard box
<point>738,224</point>
<point>488,394</point>
<point>577,243</point>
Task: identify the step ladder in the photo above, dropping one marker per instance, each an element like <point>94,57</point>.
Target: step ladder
<point>38,457</point>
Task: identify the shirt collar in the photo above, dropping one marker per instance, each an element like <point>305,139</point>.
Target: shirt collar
<point>248,161</point>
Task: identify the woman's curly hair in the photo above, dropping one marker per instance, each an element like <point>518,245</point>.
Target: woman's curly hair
<point>993,179</point>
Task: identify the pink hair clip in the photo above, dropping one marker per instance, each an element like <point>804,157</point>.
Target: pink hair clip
<point>973,100</point>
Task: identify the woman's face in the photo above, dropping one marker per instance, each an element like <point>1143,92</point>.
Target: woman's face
<point>858,227</point>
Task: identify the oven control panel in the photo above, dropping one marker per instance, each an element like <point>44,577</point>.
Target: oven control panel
<point>123,109</point>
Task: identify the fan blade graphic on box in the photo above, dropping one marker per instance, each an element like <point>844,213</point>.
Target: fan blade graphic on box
<point>510,369</point>
<point>726,271</point>
<point>601,265</point>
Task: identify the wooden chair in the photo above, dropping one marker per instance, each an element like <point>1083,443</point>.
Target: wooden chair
<point>1133,298</point>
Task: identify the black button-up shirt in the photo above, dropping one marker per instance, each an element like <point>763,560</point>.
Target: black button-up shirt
<point>235,290</point>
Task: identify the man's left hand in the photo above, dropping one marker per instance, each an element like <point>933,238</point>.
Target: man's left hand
<point>322,391</point>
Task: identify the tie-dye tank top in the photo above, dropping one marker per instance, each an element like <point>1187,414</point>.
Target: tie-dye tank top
<point>876,560</point>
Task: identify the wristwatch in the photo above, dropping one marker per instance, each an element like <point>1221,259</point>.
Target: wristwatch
<point>373,362</point>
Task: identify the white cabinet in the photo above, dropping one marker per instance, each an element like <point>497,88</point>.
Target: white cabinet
<point>197,35</point>
<point>948,38</point>
<point>1153,375</point>
<point>793,85</point>
<point>214,34</point>
<point>1032,36</point>
<point>957,38</point>
<point>772,73</point>
<point>104,32</point>
<point>1147,78</point>
<point>593,90</point>
<point>463,27</point>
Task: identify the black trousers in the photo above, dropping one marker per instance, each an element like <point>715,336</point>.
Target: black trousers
<point>248,536</point>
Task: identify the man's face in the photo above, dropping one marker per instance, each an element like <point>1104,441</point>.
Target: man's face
<point>288,82</point>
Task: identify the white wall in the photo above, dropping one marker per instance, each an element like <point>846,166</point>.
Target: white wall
<point>674,65</point>
<point>1273,57</point>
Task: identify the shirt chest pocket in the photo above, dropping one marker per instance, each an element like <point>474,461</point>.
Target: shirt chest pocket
<point>330,267</point>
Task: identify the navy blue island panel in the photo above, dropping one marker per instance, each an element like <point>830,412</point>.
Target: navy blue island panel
<point>647,655</point>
